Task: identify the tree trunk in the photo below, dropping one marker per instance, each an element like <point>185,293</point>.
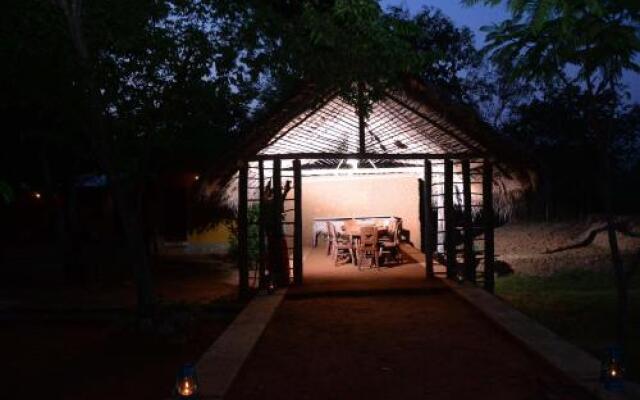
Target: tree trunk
<point>616,258</point>
<point>98,135</point>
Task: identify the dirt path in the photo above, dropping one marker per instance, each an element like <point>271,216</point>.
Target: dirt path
<point>384,335</point>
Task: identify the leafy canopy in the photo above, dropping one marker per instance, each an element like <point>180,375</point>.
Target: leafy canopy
<point>591,41</point>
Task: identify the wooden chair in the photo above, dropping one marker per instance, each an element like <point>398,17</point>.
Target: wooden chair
<point>390,243</point>
<point>368,245</point>
<point>339,247</point>
<point>351,225</point>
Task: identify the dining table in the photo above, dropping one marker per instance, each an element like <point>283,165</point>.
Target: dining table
<point>320,225</point>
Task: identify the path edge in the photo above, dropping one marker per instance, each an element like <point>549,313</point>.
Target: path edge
<point>569,359</point>
<point>219,365</point>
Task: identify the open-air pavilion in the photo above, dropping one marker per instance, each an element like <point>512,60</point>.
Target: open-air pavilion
<point>434,166</point>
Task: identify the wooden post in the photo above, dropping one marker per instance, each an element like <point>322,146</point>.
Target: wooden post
<point>469,258</point>
<point>243,231</point>
<point>450,247</point>
<point>278,267</point>
<point>361,121</point>
<point>427,218</point>
<point>262,251</point>
<point>297,223</point>
<point>361,126</point>
<point>488,217</point>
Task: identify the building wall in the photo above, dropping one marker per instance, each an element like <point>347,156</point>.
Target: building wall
<point>359,196</point>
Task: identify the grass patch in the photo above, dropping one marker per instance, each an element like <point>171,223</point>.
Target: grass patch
<point>579,305</point>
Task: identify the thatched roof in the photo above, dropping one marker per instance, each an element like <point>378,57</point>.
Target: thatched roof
<point>317,124</point>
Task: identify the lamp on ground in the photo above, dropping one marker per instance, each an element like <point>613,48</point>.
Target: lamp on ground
<point>612,373</point>
<point>186,383</point>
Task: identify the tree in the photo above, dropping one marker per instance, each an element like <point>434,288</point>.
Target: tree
<point>454,60</point>
<point>349,45</point>
<point>589,43</point>
<point>129,90</point>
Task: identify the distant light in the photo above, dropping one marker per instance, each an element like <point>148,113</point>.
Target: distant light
<point>37,195</point>
<point>196,178</point>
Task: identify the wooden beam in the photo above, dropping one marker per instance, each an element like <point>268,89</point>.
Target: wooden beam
<point>262,251</point>
<point>243,232</point>
<point>361,136</point>
<point>469,256</point>
<point>488,222</point>
<point>280,273</point>
<point>371,156</point>
<point>427,219</point>
<point>450,247</point>
<point>361,122</point>
<point>297,227</point>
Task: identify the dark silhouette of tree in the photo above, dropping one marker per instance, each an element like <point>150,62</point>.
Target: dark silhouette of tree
<point>584,43</point>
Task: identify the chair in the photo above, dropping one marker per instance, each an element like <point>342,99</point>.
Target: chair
<point>351,225</point>
<point>339,247</point>
<point>367,245</point>
<point>390,243</point>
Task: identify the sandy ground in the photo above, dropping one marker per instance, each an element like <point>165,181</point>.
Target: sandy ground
<point>522,245</point>
<point>388,334</point>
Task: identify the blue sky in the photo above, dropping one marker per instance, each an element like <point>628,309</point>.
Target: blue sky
<point>477,16</point>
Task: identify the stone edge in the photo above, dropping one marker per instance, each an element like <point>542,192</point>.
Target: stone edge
<point>569,359</point>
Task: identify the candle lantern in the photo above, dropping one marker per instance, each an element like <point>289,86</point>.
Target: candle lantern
<point>612,373</point>
<point>186,383</point>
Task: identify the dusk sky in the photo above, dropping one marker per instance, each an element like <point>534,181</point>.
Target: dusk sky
<point>478,16</point>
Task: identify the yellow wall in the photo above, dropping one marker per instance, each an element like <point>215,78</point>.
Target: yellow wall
<point>218,234</point>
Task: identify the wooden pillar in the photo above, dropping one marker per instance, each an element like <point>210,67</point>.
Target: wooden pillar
<point>427,219</point>
<point>243,231</point>
<point>361,126</point>
<point>361,121</point>
<point>449,243</point>
<point>488,221</point>
<point>469,257</point>
<point>279,269</point>
<point>297,223</point>
<point>262,251</point>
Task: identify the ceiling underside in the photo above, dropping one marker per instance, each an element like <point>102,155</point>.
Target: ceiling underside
<point>397,125</point>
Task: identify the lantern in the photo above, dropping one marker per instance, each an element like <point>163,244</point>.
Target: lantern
<point>269,283</point>
<point>612,373</point>
<point>186,383</point>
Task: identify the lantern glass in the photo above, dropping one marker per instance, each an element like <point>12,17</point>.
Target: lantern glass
<point>612,373</point>
<point>186,383</point>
